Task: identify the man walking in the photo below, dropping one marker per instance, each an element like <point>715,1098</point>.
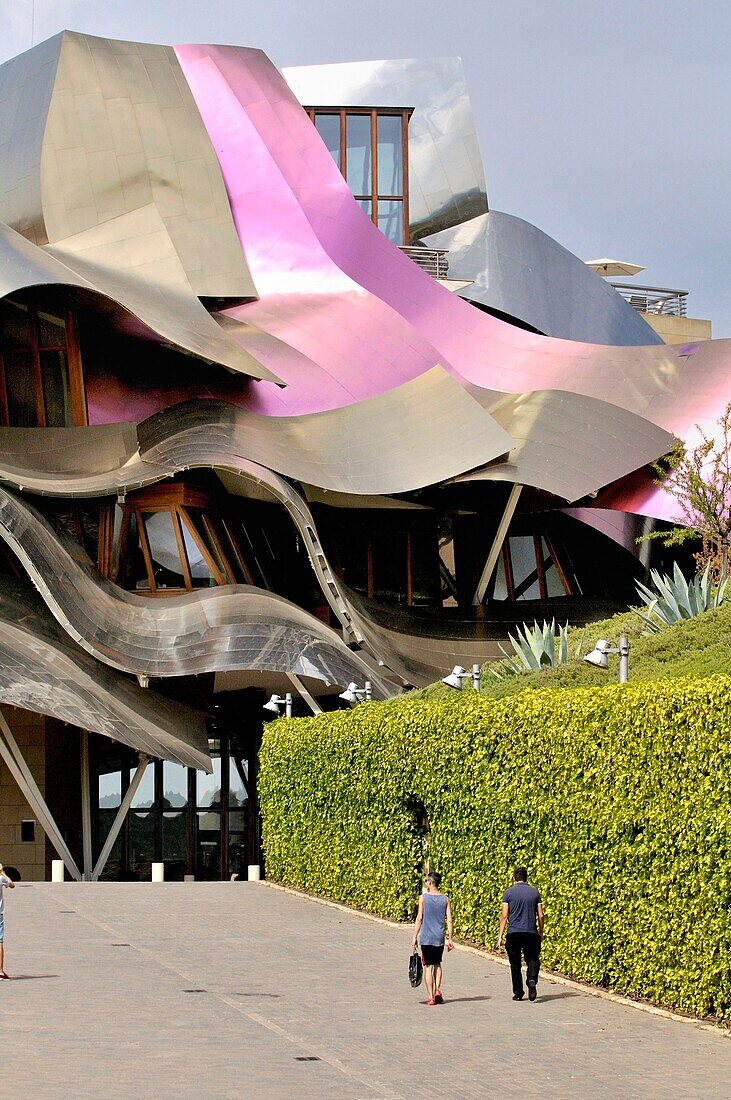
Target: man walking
<point>4,882</point>
<point>523,912</point>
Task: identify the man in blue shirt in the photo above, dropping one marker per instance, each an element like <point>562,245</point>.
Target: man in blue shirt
<point>523,912</point>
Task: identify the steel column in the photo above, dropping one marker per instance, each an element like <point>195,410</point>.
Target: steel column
<point>302,690</point>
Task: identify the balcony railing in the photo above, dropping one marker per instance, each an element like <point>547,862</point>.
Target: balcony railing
<point>654,299</point>
<point>431,260</point>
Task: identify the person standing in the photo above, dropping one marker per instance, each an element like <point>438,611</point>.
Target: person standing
<point>522,911</point>
<point>8,883</point>
<point>434,910</point>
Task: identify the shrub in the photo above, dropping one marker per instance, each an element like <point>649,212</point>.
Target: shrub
<point>535,647</point>
<point>672,599</point>
<point>617,800</point>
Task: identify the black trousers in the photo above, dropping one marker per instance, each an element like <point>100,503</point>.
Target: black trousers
<point>529,945</point>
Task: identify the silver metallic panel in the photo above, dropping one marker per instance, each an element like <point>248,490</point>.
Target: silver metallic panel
<point>42,670</point>
<point>447,182</point>
<point>229,627</point>
<point>420,433</point>
<point>567,444</point>
<point>516,269</point>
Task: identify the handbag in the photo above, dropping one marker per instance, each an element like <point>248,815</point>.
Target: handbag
<point>416,969</point>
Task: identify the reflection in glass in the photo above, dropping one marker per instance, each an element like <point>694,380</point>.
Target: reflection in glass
<point>174,784</point>
<point>51,331</point>
<point>237,789</point>
<point>523,555</point>
<point>390,220</point>
<point>209,786</point>
<point>164,549</point>
<point>110,790</point>
<point>328,127</point>
<point>366,205</point>
<point>174,838</point>
<point>208,846</point>
<point>141,843</point>
<point>199,569</point>
<point>21,390</point>
<point>144,796</point>
<point>554,585</point>
<point>358,154</point>
<point>390,155</point>
<point>56,394</point>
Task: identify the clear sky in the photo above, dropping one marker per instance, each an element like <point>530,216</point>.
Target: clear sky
<point>604,124</point>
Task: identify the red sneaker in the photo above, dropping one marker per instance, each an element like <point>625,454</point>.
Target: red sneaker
<point>431,1001</point>
<point>438,999</point>
<point>4,977</point>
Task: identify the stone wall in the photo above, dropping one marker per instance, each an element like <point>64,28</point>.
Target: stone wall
<point>29,857</point>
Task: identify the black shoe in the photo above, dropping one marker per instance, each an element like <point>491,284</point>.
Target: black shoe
<point>532,991</point>
<point>518,998</point>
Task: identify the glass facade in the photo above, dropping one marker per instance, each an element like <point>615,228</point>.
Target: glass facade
<point>37,352</point>
<point>370,147</point>
<point>194,823</point>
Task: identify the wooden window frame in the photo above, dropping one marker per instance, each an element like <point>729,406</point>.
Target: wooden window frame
<point>375,197</point>
<point>71,348</point>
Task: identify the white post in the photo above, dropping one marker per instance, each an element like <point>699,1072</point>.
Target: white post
<point>57,870</point>
<point>188,878</point>
<point>288,705</point>
<point>254,872</point>
<point>476,677</point>
<point>158,872</point>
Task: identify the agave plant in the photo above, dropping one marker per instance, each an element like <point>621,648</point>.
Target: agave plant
<point>535,647</point>
<point>674,598</point>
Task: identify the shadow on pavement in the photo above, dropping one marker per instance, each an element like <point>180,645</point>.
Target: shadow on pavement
<point>460,1000</point>
<point>557,996</point>
<point>32,977</point>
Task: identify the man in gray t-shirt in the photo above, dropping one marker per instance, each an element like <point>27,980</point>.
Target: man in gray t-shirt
<point>523,912</point>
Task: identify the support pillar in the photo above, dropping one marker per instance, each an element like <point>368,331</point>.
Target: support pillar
<point>120,818</point>
<point>496,547</point>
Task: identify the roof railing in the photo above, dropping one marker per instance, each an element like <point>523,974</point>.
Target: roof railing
<point>432,260</point>
<point>656,300</point>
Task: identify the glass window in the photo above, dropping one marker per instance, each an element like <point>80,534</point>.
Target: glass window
<point>237,790</point>
<point>164,550</point>
<point>328,127</point>
<point>367,206</point>
<point>200,571</point>
<point>390,155</point>
<point>523,555</point>
<point>112,866</point>
<point>554,585</point>
<point>174,837</point>
<point>174,784</point>
<point>141,843</point>
<point>51,331</point>
<point>144,796</point>
<point>21,389</point>
<point>358,154</point>
<point>500,591</point>
<point>56,396</point>
<point>110,790</point>
<point>390,219</point>
<point>16,326</point>
<point>209,786</point>
<point>208,847</point>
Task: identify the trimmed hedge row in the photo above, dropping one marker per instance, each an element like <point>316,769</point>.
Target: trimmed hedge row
<point>619,802</point>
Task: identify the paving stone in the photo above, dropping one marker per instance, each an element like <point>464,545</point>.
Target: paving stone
<point>299,1001</point>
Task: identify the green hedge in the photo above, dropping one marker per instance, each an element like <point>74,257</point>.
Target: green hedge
<point>617,800</point>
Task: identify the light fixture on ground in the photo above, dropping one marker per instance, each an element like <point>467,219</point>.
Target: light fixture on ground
<point>355,694</point>
<point>276,703</point>
<point>599,656</point>
<point>458,674</point>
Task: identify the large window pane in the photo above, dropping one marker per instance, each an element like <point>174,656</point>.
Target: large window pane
<point>366,206</point>
<point>110,790</point>
<point>174,784</point>
<point>21,390</point>
<point>174,838</point>
<point>358,154</point>
<point>390,220</point>
<point>145,794</point>
<point>208,847</point>
<point>523,554</point>
<point>200,570</point>
<point>328,127</point>
<point>209,786</point>
<point>390,155</point>
<point>56,396</point>
<point>16,326</point>
<point>164,550</point>
<point>51,331</point>
<point>237,791</point>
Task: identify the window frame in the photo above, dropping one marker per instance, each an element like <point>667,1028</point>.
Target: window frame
<point>77,394</point>
<point>374,197</point>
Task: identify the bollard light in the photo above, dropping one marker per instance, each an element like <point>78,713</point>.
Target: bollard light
<point>276,702</point>
<point>356,694</point>
<point>454,679</point>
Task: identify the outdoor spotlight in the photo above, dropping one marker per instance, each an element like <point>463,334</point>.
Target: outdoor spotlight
<point>355,694</point>
<point>454,680</point>
<point>276,703</point>
<point>599,656</point>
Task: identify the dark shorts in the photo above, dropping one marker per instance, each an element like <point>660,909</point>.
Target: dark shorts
<point>431,955</point>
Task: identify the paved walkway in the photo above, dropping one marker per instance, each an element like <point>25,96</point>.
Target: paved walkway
<point>237,990</point>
